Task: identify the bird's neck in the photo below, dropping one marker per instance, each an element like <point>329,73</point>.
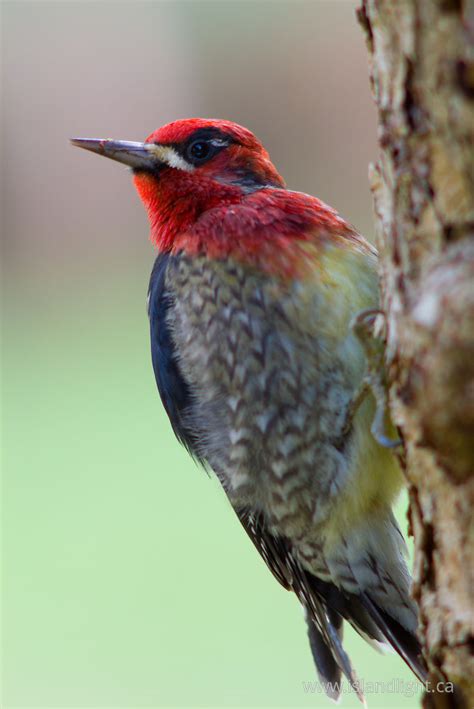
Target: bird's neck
<point>175,203</point>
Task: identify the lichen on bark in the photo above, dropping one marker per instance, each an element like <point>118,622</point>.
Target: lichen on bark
<point>421,61</point>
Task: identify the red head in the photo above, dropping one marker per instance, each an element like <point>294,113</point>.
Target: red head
<point>215,150</point>
<point>190,166</point>
<point>203,163</point>
<point>210,188</point>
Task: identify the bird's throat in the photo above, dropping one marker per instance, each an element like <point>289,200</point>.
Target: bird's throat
<point>175,202</point>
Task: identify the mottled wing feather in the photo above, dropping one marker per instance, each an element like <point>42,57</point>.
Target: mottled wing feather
<point>274,551</point>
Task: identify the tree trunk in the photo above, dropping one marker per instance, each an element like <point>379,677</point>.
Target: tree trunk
<point>421,55</point>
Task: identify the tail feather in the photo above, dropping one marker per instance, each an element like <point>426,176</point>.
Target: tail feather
<point>349,607</point>
<point>328,625</point>
<point>402,640</point>
<point>329,672</point>
<point>369,620</point>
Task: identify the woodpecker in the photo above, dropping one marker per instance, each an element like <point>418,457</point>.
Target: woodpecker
<point>250,303</point>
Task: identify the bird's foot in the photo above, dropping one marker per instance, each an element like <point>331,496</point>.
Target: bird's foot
<point>368,326</point>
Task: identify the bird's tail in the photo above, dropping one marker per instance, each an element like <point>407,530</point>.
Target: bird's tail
<point>369,620</point>
<point>325,637</point>
<point>403,641</point>
<point>366,583</point>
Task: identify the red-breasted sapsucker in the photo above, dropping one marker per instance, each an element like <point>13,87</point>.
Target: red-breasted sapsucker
<point>250,304</point>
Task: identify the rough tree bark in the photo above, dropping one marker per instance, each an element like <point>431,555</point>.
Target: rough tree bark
<point>421,56</point>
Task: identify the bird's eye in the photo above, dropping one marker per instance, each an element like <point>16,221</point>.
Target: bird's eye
<point>199,150</point>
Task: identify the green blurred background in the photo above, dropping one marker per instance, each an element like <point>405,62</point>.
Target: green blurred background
<point>127,580</point>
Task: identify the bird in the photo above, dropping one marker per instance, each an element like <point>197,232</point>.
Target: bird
<point>250,305</point>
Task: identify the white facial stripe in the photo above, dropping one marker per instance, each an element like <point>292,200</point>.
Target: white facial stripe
<point>168,155</point>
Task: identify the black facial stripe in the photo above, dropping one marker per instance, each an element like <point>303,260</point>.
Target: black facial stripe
<point>211,136</point>
<point>206,135</point>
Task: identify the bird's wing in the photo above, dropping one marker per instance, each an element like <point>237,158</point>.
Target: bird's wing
<point>275,551</point>
<point>174,390</point>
